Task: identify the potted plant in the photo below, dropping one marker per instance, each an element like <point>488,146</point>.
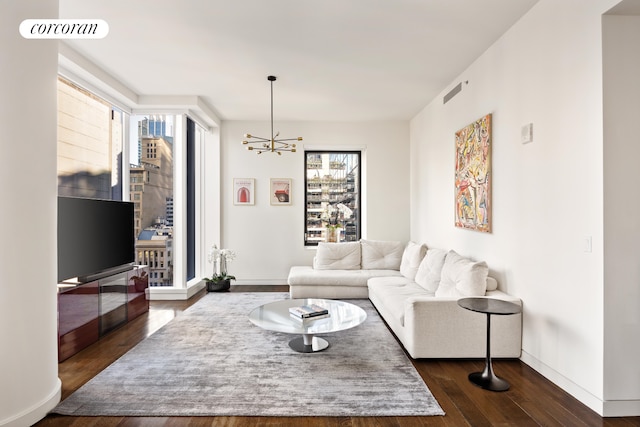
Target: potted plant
<point>219,281</point>
<point>333,232</point>
<point>332,224</point>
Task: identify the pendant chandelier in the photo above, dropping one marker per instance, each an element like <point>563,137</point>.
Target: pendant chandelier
<point>270,144</point>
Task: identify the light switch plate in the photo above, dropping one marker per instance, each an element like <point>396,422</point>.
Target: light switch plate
<point>526,133</point>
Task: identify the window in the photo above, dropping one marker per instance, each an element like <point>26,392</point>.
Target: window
<point>151,174</point>
<point>191,199</point>
<point>332,196</point>
<point>91,150</point>
<point>90,144</point>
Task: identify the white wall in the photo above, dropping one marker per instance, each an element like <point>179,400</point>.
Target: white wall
<point>547,195</point>
<point>621,37</point>
<point>269,239</point>
<point>28,185</point>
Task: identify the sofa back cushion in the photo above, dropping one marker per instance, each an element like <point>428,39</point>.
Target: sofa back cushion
<point>411,258</point>
<point>338,256</point>
<point>430,269</point>
<point>381,254</point>
<point>462,277</point>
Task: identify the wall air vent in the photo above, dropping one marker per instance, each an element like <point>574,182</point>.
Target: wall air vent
<point>453,92</point>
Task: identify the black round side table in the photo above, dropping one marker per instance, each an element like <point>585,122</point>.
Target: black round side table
<point>487,379</point>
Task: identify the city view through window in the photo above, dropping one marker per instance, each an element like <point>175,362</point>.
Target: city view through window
<point>332,197</point>
<point>90,145</point>
<point>90,165</point>
<point>151,190</point>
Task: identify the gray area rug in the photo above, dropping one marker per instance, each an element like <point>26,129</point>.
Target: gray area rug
<point>211,360</point>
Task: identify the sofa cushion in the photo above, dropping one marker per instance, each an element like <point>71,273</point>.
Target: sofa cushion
<point>411,258</point>
<point>304,275</point>
<point>381,254</point>
<point>394,291</point>
<point>430,269</point>
<point>462,277</point>
<point>338,256</point>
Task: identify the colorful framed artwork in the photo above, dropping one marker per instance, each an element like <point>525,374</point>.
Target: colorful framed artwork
<point>473,176</point>
<point>243,191</point>
<point>280,191</point>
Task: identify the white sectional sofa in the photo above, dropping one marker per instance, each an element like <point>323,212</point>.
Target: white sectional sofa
<point>415,290</point>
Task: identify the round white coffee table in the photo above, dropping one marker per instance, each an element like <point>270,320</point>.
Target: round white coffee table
<point>275,317</point>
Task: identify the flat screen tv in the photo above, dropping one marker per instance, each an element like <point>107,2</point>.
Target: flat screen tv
<point>94,236</point>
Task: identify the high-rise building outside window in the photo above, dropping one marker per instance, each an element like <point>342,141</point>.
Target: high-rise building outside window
<point>90,144</point>
<point>90,150</point>
<point>151,180</point>
<point>332,197</point>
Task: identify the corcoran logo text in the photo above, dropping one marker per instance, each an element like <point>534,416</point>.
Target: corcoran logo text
<point>64,28</point>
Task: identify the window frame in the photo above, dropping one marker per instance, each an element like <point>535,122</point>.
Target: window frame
<point>355,230</point>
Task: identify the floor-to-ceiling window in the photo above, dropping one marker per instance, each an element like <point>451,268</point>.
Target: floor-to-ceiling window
<point>101,146</point>
<point>151,176</point>
<point>191,198</point>
<point>159,167</point>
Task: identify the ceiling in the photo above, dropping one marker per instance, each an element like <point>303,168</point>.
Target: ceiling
<point>336,60</point>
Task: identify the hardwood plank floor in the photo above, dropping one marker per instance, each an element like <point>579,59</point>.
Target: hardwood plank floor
<point>531,401</point>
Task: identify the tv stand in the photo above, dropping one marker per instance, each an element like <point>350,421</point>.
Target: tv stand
<point>87,310</point>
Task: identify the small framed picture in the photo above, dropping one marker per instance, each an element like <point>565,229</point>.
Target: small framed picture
<point>244,191</point>
<point>280,191</point>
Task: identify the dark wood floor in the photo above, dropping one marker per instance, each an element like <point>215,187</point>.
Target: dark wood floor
<point>531,401</point>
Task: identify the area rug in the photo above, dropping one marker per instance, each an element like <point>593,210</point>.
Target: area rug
<point>211,360</point>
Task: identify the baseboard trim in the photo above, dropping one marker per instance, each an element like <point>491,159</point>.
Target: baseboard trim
<point>621,408</point>
<point>258,282</point>
<point>604,408</point>
<point>169,293</point>
<point>37,412</point>
<point>585,397</point>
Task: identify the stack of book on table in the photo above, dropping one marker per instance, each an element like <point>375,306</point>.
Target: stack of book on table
<point>308,312</point>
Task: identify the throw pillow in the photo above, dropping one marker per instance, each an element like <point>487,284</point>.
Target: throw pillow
<point>381,254</point>
<point>411,258</point>
<point>430,269</point>
<point>492,284</point>
<point>338,256</point>
<point>462,277</point>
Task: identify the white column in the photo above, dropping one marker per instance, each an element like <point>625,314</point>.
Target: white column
<point>28,188</point>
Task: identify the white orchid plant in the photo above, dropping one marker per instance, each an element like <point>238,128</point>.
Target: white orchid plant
<point>330,218</point>
<point>220,258</point>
